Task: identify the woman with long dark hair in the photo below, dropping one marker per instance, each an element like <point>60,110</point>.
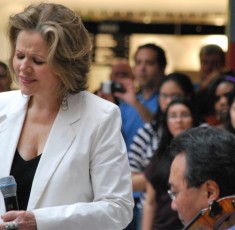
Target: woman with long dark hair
<point>145,142</point>
<point>229,123</point>
<point>179,116</point>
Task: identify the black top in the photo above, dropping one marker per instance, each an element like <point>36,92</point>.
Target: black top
<point>164,216</point>
<point>24,172</point>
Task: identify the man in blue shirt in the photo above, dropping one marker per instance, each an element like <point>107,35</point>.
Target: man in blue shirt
<point>138,108</point>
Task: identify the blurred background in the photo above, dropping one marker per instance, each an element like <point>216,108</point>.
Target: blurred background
<point>118,27</point>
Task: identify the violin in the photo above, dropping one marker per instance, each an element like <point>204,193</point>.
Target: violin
<point>220,215</point>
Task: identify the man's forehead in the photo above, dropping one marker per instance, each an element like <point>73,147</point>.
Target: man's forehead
<point>181,157</point>
<point>177,169</point>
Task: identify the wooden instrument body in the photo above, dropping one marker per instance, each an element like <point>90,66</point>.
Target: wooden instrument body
<point>219,216</point>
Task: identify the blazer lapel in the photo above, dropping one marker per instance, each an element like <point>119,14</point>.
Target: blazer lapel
<point>59,141</point>
<point>9,135</point>
<point>10,129</point>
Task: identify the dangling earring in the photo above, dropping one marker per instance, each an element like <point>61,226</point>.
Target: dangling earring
<point>23,95</point>
<point>64,103</point>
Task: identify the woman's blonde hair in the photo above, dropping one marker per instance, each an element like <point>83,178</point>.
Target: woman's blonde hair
<point>68,41</point>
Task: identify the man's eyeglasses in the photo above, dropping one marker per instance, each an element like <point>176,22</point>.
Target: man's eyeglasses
<point>172,194</point>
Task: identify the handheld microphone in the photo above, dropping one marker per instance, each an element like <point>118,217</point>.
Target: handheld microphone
<point>8,188</point>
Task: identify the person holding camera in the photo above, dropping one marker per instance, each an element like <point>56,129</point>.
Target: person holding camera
<point>138,108</point>
<point>120,70</point>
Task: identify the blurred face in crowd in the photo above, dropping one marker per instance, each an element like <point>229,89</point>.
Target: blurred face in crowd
<point>121,70</point>
<point>186,201</point>
<point>221,103</point>
<point>169,90</point>
<point>210,63</point>
<point>179,118</point>
<point>232,114</point>
<point>5,80</point>
<point>147,71</point>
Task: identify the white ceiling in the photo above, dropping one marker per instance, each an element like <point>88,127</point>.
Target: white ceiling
<point>212,11</point>
<point>162,5</point>
<point>170,6</point>
<point>217,9</point>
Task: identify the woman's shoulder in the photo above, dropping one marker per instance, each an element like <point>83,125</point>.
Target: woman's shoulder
<point>88,103</point>
<point>146,131</point>
<point>10,101</point>
<point>98,101</point>
<point>8,96</point>
<point>144,136</point>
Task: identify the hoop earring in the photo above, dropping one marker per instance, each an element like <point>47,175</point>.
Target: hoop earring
<point>64,103</point>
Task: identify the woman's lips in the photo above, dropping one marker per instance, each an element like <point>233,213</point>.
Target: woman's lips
<point>25,80</point>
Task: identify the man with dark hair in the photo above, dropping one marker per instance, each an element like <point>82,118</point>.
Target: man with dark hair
<point>212,63</point>
<point>160,55</point>
<point>203,173</point>
<point>212,66</point>
<point>138,108</point>
<point>5,78</point>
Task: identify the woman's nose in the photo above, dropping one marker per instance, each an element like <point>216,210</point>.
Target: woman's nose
<point>25,67</point>
<point>223,100</point>
<point>179,118</point>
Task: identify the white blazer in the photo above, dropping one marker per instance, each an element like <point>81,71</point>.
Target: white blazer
<point>83,178</point>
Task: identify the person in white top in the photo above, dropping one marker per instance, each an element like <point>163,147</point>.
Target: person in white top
<point>81,178</point>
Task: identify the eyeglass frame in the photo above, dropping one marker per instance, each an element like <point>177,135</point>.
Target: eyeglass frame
<point>165,96</point>
<point>182,116</point>
<point>173,195</point>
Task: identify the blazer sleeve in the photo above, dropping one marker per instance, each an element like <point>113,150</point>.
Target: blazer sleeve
<point>112,205</point>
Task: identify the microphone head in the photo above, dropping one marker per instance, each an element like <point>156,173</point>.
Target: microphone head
<point>8,186</point>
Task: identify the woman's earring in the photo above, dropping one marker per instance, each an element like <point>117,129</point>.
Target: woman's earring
<point>64,103</point>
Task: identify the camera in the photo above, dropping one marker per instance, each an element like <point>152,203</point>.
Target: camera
<point>110,87</point>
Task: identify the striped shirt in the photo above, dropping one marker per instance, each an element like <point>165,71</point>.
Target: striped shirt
<point>144,144</point>
<point>142,148</point>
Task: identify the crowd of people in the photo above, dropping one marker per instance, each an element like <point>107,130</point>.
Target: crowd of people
<point>208,102</point>
<point>150,156</point>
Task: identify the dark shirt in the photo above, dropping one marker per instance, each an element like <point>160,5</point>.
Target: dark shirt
<point>164,217</point>
<point>24,172</point>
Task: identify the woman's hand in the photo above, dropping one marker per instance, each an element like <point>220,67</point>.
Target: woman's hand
<point>25,220</point>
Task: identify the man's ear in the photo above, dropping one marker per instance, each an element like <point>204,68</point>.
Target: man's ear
<point>213,190</point>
